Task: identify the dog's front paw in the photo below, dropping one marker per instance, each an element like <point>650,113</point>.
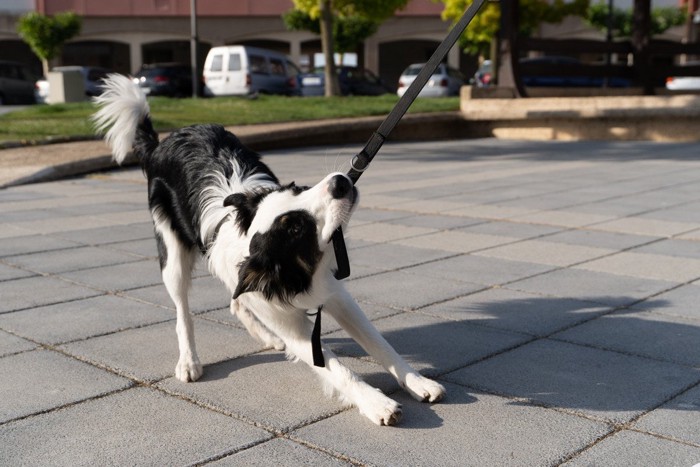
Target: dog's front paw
<point>424,389</point>
<point>188,369</point>
<point>381,410</point>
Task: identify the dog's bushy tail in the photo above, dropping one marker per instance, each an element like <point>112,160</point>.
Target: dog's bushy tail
<point>124,113</point>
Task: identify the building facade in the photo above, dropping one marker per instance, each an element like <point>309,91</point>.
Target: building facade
<point>122,35</point>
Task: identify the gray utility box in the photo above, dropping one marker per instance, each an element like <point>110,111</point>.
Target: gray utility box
<point>66,86</point>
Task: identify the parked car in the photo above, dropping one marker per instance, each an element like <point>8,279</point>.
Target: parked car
<point>446,81</point>
<point>239,70</point>
<point>552,80</point>
<point>92,77</point>
<point>353,82</point>
<point>684,83</point>
<point>16,84</point>
<point>482,77</point>
<point>165,79</point>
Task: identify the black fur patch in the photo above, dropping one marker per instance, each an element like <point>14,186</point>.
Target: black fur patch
<point>282,260</point>
<point>246,205</point>
<point>179,170</point>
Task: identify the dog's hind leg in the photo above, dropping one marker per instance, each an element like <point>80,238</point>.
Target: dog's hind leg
<point>177,261</point>
<point>255,327</point>
<point>352,319</point>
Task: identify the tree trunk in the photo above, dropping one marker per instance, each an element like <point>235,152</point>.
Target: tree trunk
<point>331,77</point>
<point>45,67</point>
<point>640,43</point>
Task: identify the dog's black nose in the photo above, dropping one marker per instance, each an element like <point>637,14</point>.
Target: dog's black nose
<point>339,186</point>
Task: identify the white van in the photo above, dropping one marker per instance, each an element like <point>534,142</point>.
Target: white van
<point>236,70</point>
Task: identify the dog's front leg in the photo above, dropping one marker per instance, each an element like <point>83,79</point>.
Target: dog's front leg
<point>294,328</point>
<point>352,319</point>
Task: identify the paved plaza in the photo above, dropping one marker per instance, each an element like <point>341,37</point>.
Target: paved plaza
<point>552,287</point>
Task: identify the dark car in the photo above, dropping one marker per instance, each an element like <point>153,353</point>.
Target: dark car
<point>16,84</point>
<point>165,79</point>
<point>353,82</point>
<point>555,63</point>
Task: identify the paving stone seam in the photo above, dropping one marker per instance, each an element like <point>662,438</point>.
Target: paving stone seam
<point>67,405</point>
<point>60,302</point>
<point>340,456</point>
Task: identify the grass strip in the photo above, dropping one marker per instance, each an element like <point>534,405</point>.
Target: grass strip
<point>41,122</point>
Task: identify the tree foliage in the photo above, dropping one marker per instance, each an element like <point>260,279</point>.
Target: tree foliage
<point>485,26</point>
<point>46,35</point>
<point>623,22</point>
<point>350,21</point>
<point>348,31</point>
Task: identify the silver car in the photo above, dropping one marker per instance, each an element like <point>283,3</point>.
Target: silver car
<point>446,81</point>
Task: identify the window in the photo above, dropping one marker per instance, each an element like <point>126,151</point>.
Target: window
<point>234,62</point>
<point>217,63</point>
<point>258,64</point>
<point>277,67</point>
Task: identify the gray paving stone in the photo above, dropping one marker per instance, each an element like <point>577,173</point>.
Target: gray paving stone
<point>432,345</point>
<point>150,353</point>
<point>80,319</point>
<point>31,244</point>
<point>111,234</point>
<point>512,229</point>
<point>679,418</point>
<point>206,294</point>
<point>682,301</point>
<point>672,247</point>
<point>465,429</point>
<point>273,392</point>
<point>609,240</point>
<point>70,260</point>
<point>599,287</point>
<point>41,380</point>
<point>649,334</point>
<point>479,269</point>
<point>629,448</point>
<point>435,221</point>
<point>9,273</point>
<point>125,276</point>
<point>146,247</point>
<point>135,427</point>
<point>19,294</point>
<point>603,384</point>
<point>279,451</point>
<point>10,344</point>
<point>516,311</point>
<point>389,256</point>
<point>407,291</point>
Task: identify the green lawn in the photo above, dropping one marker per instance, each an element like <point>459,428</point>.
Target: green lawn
<point>43,121</point>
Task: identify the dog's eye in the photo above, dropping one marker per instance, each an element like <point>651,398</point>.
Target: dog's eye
<point>294,228</point>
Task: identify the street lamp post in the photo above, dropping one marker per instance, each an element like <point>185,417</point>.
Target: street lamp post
<point>193,47</point>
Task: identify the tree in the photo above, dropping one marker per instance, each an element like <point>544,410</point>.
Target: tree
<point>622,25</point>
<point>342,24</point>
<point>46,35</point>
<point>483,30</point>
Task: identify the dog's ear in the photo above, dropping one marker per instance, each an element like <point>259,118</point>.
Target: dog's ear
<point>246,205</point>
<point>252,275</point>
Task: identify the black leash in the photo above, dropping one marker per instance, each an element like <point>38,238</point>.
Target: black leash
<point>361,161</point>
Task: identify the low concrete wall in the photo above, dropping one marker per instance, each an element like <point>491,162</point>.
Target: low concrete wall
<point>655,118</point>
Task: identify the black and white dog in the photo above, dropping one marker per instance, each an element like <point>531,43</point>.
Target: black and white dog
<point>269,243</point>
